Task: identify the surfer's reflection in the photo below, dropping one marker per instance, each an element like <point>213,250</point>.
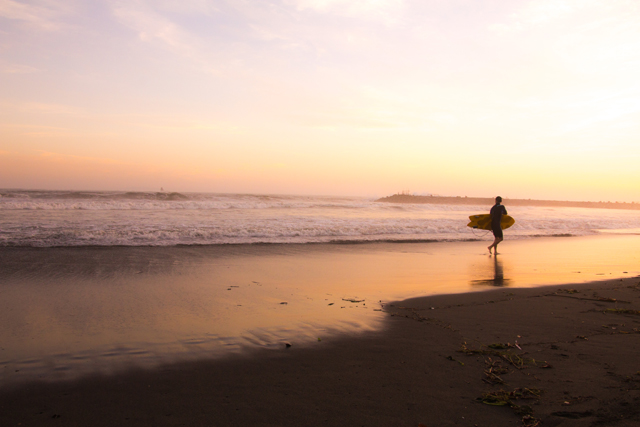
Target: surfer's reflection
<point>498,275</point>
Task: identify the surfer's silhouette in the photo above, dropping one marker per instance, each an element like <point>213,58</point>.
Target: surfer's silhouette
<point>496,216</point>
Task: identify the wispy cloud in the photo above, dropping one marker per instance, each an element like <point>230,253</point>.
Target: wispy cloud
<point>45,16</point>
<point>543,13</point>
<point>152,26</point>
<point>59,157</point>
<point>47,108</point>
<point>183,124</point>
<point>206,7</point>
<point>223,35</point>
<point>536,13</point>
<point>386,11</point>
<point>17,69</point>
<point>206,46</point>
<point>375,109</point>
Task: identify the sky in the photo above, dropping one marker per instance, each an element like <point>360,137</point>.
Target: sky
<point>525,99</point>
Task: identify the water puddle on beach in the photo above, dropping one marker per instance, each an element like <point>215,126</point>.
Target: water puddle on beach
<point>67,312</point>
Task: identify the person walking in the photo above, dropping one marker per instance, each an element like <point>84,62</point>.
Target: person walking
<point>496,216</point>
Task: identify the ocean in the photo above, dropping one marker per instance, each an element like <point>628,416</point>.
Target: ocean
<point>30,218</point>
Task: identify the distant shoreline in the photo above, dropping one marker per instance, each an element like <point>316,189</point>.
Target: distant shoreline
<point>458,200</point>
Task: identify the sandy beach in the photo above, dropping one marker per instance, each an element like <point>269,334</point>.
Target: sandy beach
<point>525,350</point>
<point>558,355</point>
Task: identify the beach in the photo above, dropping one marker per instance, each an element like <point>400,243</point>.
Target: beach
<point>576,366</point>
<point>219,309</point>
<point>324,334</point>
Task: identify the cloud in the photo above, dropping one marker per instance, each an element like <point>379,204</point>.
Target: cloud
<point>261,41</point>
<point>35,129</point>
<point>542,12</point>
<point>70,157</point>
<point>368,108</point>
<point>184,124</point>
<point>545,11</point>
<point>347,6</point>
<point>582,15</point>
<point>386,11</point>
<point>46,108</point>
<point>187,6</point>
<point>49,169</point>
<point>17,69</point>
<point>206,47</point>
<point>46,16</point>
<point>152,26</point>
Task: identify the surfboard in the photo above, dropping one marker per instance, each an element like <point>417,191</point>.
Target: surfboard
<point>483,221</point>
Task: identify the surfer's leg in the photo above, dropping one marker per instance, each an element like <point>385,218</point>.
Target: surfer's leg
<point>498,238</point>
<point>495,244</point>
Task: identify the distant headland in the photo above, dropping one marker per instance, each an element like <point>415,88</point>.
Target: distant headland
<point>489,201</point>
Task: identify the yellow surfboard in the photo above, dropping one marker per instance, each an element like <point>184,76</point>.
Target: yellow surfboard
<point>483,221</point>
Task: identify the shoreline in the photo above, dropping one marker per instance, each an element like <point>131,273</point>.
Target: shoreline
<point>410,372</point>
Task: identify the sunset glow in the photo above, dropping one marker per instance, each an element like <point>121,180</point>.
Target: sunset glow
<point>527,99</point>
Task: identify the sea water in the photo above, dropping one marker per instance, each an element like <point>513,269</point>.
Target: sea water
<point>82,218</point>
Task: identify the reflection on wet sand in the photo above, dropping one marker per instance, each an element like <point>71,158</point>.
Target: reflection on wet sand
<point>493,275</point>
<point>69,311</point>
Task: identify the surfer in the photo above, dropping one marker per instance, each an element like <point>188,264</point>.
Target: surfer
<point>496,216</point>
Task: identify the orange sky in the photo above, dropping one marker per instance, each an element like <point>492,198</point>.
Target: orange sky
<point>528,99</point>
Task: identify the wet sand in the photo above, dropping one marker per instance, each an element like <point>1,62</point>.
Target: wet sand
<point>197,336</point>
<point>577,365</point>
<point>68,312</point>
